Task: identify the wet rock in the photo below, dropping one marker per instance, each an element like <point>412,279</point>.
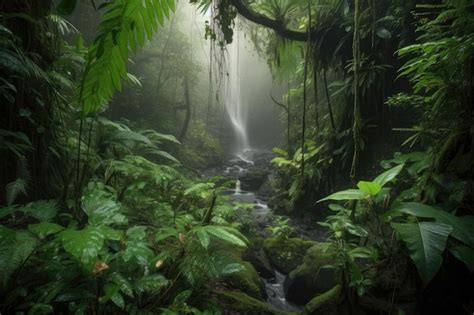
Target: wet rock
<point>325,303</point>
<point>285,254</point>
<point>280,204</point>
<point>253,179</point>
<point>247,281</point>
<point>239,162</point>
<point>265,191</point>
<point>260,262</point>
<point>262,220</point>
<point>309,279</point>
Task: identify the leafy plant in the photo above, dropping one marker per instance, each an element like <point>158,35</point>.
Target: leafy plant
<point>282,228</point>
<point>124,27</point>
<point>427,240</point>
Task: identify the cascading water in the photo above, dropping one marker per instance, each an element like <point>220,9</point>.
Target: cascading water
<point>235,108</point>
<point>238,190</point>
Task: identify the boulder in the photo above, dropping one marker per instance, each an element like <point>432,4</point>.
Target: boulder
<point>265,191</point>
<point>285,254</point>
<point>260,261</point>
<point>253,179</point>
<point>280,204</point>
<point>309,279</point>
<point>325,303</point>
<point>247,281</point>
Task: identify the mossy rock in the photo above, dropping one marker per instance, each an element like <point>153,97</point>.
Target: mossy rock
<point>234,302</point>
<point>286,254</point>
<point>309,279</point>
<point>325,303</point>
<point>280,204</point>
<point>246,281</point>
<point>253,179</point>
<point>260,261</point>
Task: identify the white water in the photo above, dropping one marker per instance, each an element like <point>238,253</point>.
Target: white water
<point>238,190</point>
<point>233,101</point>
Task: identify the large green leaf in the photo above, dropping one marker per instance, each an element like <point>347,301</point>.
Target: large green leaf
<point>43,210</point>
<point>349,194</point>
<point>225,233</point>
<point>6,211</point>
<point>369,188</point>
<point>44,229</point>
<point>101,208</point>
<point>165,233</point>
<point>464,254</point>
<point>388,176</point>
<point>84,245</point>
<point>463,228</point>
<point>137,246</point>
<point>425,241</point>
<point>151,283</point>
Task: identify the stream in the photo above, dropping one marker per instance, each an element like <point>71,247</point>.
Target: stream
<point>237,168</point>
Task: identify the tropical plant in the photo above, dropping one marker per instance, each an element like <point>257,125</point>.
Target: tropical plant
<point>434,231</point>
<point>349,227</point>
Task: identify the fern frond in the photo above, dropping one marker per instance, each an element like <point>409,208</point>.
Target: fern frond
<point>199,189</point>
<point>125,26</point>
<point>14,189</point>
<point>15,248</point>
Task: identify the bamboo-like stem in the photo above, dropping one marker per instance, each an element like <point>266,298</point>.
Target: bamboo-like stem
<point>356,65</point>
<point>303,124</point>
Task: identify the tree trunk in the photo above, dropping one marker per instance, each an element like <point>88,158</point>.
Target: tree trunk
<point>184,129</point>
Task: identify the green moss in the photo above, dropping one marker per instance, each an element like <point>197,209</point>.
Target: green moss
<point>286,254</point>
<point>244,304</point>
<point>325,302</point>
<point>318,255</point>
<point>309,279</point>
<point>246,281</point>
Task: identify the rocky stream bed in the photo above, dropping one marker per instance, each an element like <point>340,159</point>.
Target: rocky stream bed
<point>283,274</point>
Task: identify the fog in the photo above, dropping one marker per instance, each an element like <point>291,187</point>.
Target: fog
<point>244,78</point>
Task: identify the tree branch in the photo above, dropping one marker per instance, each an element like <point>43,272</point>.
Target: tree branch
<point>278,103</point>
<point>277,26</point>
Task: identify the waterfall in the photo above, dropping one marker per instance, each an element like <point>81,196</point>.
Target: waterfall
<point>236,110</point>
<point>238,189</point>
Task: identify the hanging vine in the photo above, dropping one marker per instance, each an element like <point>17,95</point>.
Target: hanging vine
<point>328,99</point>
<point>356,65</point>
<point>315,87</point>
<point>303,124</point>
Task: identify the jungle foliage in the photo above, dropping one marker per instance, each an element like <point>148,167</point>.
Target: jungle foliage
<point>102,211</point>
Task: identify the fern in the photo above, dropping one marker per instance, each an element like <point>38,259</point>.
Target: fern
<point>42,210</point>
<point>199,189</point>
<point>15,249</point>
<point>125,26</point>
<point>14,189</point>
<point>150,283</point>
<point>14,60</point>
<point>16,142</point>
<point>200,265</point>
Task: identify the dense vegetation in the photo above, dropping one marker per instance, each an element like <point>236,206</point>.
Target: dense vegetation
<point>109,118</point>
